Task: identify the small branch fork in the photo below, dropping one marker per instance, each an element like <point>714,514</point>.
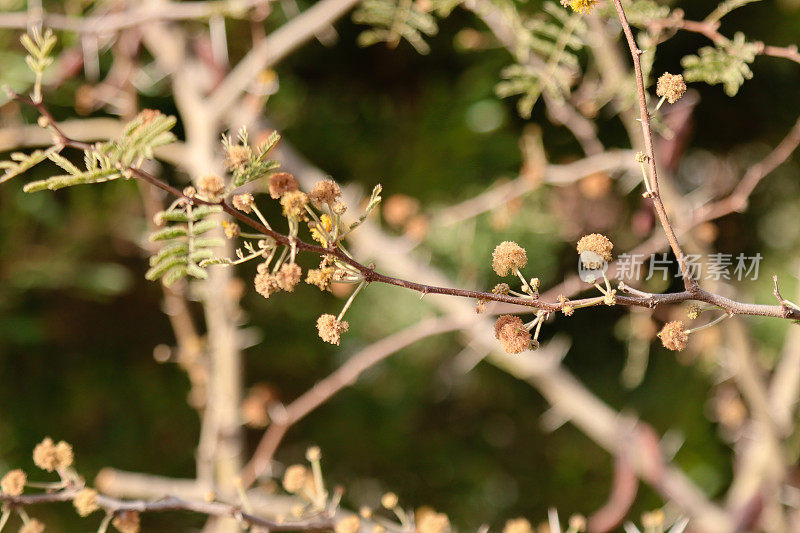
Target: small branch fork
<point>114,506</point>
<point>635,298</point>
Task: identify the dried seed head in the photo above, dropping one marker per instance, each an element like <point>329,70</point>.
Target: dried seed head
<point>693,312</point>
<point>518,525</point>
<point>508,256</point>
<point>330,330</point>
<point>85,502</point>
<point>211,187</point>
<point>294,204</point>
<point>13,483</point>
<point>244,202</point>
<point>672,86</point>
<point>349,524</point>
<point>280,183</point>
<point>127,522</point>
<point>294,479</point>
<point>673,335</point>
<point>596,244</point>
<point>33,526</point>
<point>514,337</point>
<point>289,276</point>
<point>325,192</point>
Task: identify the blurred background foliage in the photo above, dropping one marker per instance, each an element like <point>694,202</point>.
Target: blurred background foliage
<point>78,322</point>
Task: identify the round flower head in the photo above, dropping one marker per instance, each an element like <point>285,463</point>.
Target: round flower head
<point>325,192</point>
<point>294,204</point>
<point>433,522</point>
<point>85,502</point>
<point>672,86</point>
<point>266,284</point>
<point>49,456</point>
<point>237,156</point>
<point>579,6</point>
<point>13,483</point>
<point>281,183</point>
<point>294,479</point>
<point>211,187</point>
<point>673,336</point>
<point>518,525</point>
<point>243,202</point>
<point>330,330</point>
<point>289,276</point>
<point>507,257</point>
<point>349,524</point>
<point>512,334</point>
<point>594,247</point>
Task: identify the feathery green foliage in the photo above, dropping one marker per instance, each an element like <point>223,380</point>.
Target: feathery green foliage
<point>39,47</point>
<point>185,251</point>
<point>393,20</point>
<point>109,161</point>
<point>546,56</point>
<point>727,63</point>
<point>254,164</point>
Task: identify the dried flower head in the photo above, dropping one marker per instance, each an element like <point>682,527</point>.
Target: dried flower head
<point>389,500</point>
<point>693,312</point>
<point>640,157</point>
<point>32,526</point>
<point>280,183</point>
<point>211,187</point>
<point>294,479</point>
<point>236,156</point>
<point>126,522</point>
<point>294,204</point>
<point>610,298</point>
<point>288,276</point>
<point>49,456</point>
<point>598,245</point>
<point>266,284</point>
<point>13,483</point>
<point>244,202</point>
<point>85,502</point>
<point>507,257</point>
<point>674,336</point>
<point>433,522</point>
<point>672,86</point>
<point>518,525</point>
<point>325,192</point>
<point>321,277</point>
<point>348,524</point>
<point>580,6</point>
<point>514,337</point>
<point>330,330</point>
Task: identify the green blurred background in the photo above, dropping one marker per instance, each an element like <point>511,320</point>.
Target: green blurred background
<point>78,322</point>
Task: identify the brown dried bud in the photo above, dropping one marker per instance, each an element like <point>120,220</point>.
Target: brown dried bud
<point>49,456</point>
<point>596,244</point>
<point>280,183</point>
<point>13,483</point>
<point>330,330</point>
<point>244,202</point>
<point>289,276</point>
<point>211,187</point>
<point>325,192</point>
<point>85,502</point>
